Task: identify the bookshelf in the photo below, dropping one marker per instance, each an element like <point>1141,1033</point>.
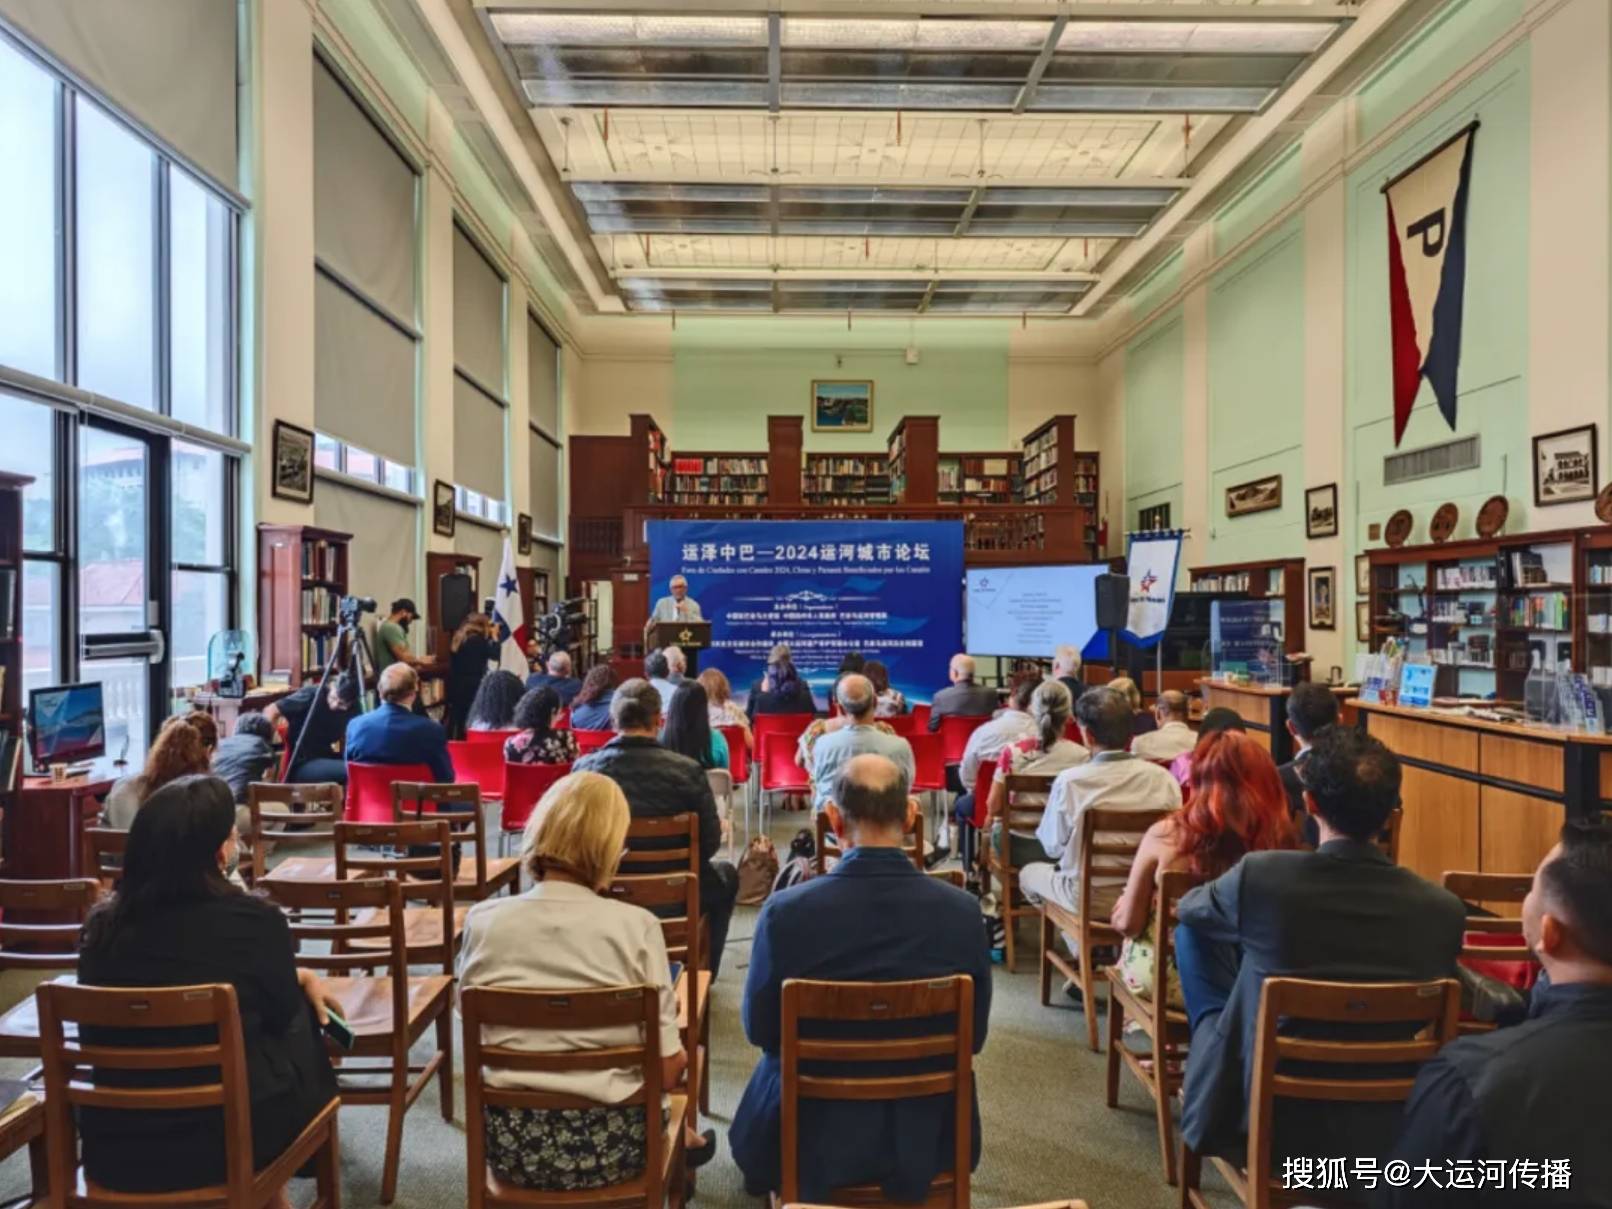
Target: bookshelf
<point>833,479</point>
<point>981,478</point>
<point>733,479</point>
<point>1048,463</point>
<point>1085,485</point>
<point>650,442</point>
<point>1276,577</point>
<point>914,457</point>
<point>302,574</point>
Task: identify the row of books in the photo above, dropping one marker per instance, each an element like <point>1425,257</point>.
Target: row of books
<point>1477,651</point>
<point>1464,578</point>
<point>1539,611</point>
<point>319,606</point>
<point>316,649</point>
<point>1457,612</point>
<point>873,464</point>
<point>1236,582</point>
<point>687,465</point>
<point>319,560</point>
<point>725,482</point>
<point>747,499</point>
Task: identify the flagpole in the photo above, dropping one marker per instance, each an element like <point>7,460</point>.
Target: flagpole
<point>1454,138</point>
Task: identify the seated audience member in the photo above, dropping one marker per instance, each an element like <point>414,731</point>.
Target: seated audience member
<point>962,698</point>
<point>178,751</point>
<point>852,662</point>
<point>722,708</point>
<point>676,664</point>
<point>558,677</point>
<point>473,648</point>
<point>658,671</point>
<point>1216,720</point>
<point>248,755</point>
<point>781,690</point>
<point>1311,708</point>
<point>535,740</point>
<point>1172,735</point>
<point>177,921</point>
<point>659,783</point>
<point>985,747</point>
<point>318,758</point>
<point>1066,667</point>
<point>1342,913</point>
<point>1142,721</point>
<point>393,733</point>
<point>688,727</point>
<point>873,919</point>
<point>890,703</point>
<point>1044,753</point>
<point>205,725</point>
<point>858,736</point>
<point>567,933</point>
<point>1236,807</point>
<point>1543,1087</point>
<point>1112,779</point>
<point>494,705</point>
<point>590,708</point>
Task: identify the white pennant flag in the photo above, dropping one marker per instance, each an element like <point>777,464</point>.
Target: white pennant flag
<point>509,617</point>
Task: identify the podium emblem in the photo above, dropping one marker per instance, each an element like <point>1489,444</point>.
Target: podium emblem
<point>685,635</point>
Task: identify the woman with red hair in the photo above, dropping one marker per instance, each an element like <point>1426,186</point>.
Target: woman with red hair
<point>1237,806</point>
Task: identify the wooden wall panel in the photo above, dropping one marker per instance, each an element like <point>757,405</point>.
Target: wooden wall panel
<point>1452,746</point>
<point>1521,760</point>
<point>1440,830</point>
<point>1517,831</point>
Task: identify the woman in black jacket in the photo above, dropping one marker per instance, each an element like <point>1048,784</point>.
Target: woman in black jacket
<point>177,921</point>
<point>781,690</point>
<point>472,649</point>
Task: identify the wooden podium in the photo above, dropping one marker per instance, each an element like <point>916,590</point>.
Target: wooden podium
<point>691,636</point>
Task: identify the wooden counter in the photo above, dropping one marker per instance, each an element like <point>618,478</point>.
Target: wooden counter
<point>1486,796</point>
<point>1264,708</point>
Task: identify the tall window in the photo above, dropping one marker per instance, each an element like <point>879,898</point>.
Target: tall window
<point>29,215</point>
<point>203,562</point>
<point>30,448</point>
<point>200,285</point>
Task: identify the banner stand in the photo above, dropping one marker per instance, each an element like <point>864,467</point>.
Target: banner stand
<point>1152,560</point>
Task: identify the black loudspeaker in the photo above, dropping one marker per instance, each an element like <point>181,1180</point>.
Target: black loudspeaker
<point>456,599</point>
<point>1113,601</point>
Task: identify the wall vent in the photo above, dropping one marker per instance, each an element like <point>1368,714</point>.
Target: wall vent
<point>1431,461</point>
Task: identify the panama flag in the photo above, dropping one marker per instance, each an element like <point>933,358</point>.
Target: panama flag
<point>1427,273</point>
<point>509,617</point>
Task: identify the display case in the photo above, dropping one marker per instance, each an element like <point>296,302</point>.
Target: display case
<point>1248,638</point>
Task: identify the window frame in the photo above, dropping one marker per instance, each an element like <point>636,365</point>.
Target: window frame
<point>384,465</point>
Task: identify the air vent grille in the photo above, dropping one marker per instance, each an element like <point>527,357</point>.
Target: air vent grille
<point>1431,461</point>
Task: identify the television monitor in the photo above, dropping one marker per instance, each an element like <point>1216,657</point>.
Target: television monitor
<point>1027,611</point>
<point>66,724</point>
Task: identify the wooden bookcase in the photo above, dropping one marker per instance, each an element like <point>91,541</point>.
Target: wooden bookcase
<point>1086,484</point>
<point>650,443</point>
<point>852,479</point>
<point>719,477</point>
<point>785,439</point>
<point>1276,577</point>
<point>981,478</point>
<point>301,575</point>
<point>1048,463</point>
<point>914,453</point>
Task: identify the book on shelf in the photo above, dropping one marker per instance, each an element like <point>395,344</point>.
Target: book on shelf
<point>319,560</point>
<point>319,606</point>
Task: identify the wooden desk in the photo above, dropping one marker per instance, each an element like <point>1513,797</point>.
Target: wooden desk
<point>1488,797</point>
<point>44,838</point>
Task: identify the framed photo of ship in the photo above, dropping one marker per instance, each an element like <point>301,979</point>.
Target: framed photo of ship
<point>1261,495</point>
<point>842,406</point>
<point>1565,469</point>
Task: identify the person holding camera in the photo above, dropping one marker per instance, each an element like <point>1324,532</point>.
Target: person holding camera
<point>474,647</point>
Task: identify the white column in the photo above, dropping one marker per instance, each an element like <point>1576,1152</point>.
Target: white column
<point>436,322</point>
<point>517,442</point>
<point>1195,507</point>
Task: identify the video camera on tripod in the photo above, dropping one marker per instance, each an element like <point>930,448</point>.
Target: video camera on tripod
<point>557,629</point>
<point>350,608</point>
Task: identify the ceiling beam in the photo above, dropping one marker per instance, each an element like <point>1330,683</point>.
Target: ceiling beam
<point>775,63</point>
<point>929,295</point>
<point>1076,10</point>
<point>837,274</point>
<point>968,212</point>
<point>931,180</point>
<point>1039,67</point>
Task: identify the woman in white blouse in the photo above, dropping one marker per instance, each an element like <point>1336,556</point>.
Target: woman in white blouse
<point>564,934</point>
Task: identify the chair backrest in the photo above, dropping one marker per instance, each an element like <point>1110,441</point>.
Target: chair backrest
<point>103,853</point>
<point>983,780</point>
<point>792,726</point>
<point>1172,884</point>
<point>369,788</point>
<point>665,843</point>
<point>494,738</point>
<point>674,900</point>
<point>928,761</point>
<point>561,719</point>
<point>920,717</point>
<point>573,1014</point>
<point>367,850</point>
<point>1492,937</point>
<point>778,767</point>
<point>1071,731</point>
<point>828,843</point>
<point>1109,840</point>
<point>1428,1010</point>
<point>954,732</point>
<point>216,1079</point>
<point>591,740</point>
<point>853,1003</point>
<point>1388,837</point>
<point>416,799</point>
<point>905,725</point>
<point>50,946</point>
<point>479,761</point>
<point>312,810</point>
<point>524,787</point>
<point>738,752</point>
<point>721,782</point>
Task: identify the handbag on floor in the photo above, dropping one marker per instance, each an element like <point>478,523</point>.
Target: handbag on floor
<point>757,869</point>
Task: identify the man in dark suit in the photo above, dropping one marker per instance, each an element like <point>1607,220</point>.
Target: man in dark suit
<point>963,698</point>
<point>873,919</point>
<point>558,677</point>
<point>1542,1089</point>
<point>394,734</point>
<point>1342,913</point>
<point>1066,668</point>
<point>1311,708</point>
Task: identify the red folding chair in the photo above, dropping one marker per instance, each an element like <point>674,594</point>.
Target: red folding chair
<point>954,733</point>
<point>369,789</point>
<point>482,763</point>
<point>792,725</point>
<point>739,768</point>
<point>496,737</point>
<point>920,717</point>
<point>562,720</point>
<point>905,725</point>
<point>1071,731</point>
<point>983,781</point>
<point>592,740</point>
<point>779,772</point>
<point>524,787</point>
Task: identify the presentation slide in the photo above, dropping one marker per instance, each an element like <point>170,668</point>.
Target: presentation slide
<point>1029,610</point>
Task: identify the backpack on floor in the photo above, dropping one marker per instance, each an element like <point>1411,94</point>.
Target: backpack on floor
<point>799,865</point>
<point>757,869</point>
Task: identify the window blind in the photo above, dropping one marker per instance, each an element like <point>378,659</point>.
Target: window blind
<point>363,386</point>
<point>478,440</point>
<point>545,483</point>
<point>478,315</point>
<point>384,555</point>
<point>543,389</point>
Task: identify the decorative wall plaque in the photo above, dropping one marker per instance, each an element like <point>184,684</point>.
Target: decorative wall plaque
<point>1492,516</point>
<point>1443,523</point>
<point>1399,528</point>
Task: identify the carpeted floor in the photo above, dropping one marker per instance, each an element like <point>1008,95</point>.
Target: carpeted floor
<point>1048,1134</point>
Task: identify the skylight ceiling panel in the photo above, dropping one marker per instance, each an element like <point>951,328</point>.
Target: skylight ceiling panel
<point>607,62</point>
<point>797,211</point>
<point>673,225</point>
<point>1105,228</point>
<point>646,93</point>
<point>714,210</point>
<point>882,65</point>
<point>986,304</point>
<point>705,302</point>
<point>872,195</point>
<point>1117,198</point>
<point>914,33</point>
<point>865,94</point>
<point>629,29</point>
<point>1172,69</point>
<point>670,286</point>
<point>984,285</point>
<point>1008,215</point>
<point>1197,37</point>
<point>1117,98</point>
<point>589,192</point>
<point>868,227</point>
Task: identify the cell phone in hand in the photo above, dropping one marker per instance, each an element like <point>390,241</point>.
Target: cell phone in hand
<point>338,1030</point>
<point>677,971</point>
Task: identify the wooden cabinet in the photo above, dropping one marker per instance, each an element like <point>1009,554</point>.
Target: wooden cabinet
<point>785,438</point>
<point>914,453</point>
<point>301,575</point>
<point>1277,577</point>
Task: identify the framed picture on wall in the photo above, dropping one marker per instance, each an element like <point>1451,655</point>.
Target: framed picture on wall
<point>293,463</point>
<point>1321,511</point>
<point>523,534</point>
<point>842,406</point>
<point>1564,466</point>
<point>1363,621</point>
<point>1362,575</point>
<point>1261,495</point>
<point>1323,598</point>
<point>444,516</point>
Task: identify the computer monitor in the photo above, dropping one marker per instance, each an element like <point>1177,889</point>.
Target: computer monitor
<point>66,724</point>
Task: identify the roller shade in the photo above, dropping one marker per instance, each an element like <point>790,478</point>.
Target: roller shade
<point>168,64</point>
<point>543,367</point>
<point>363,199</point>
<point>383,559</point>
<point>363,387</point>
<point>471,538</point>
<point>478,440</point>
<point>478,315</point>
<point>545,471</point>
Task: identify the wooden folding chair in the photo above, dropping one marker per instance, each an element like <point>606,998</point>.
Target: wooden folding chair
<point>1112,837</point>
<point>1041,1205</point>
<point>72,1068</point>
<point>432,933</point>
<point>39,946</point>
<point>479,875</point>
<point>290,816</point>
<point>103,855</point>
<point>26,1127</point>
<point>1428,1010</point>
<point>828,844</point>
<point>569,1014</point>
<point>388,1012</point>
<point>854,1003</point>
<point>1490,939</point>
<point>1026,803</point>
<point>1167,1028</point>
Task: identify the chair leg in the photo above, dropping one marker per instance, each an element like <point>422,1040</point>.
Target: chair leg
<point>445,1071</point>
<point>1161,1109</point>
<point>1088,996</point>
<point>1010,942</point>
<point>1191,1176</point>
<point>705,1061</point>
<point>1116,1034</point>
<point>395,1108</point>
<point>327,1169</point>
<point>1046,965</point>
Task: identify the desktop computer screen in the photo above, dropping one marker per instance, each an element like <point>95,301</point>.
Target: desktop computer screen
<point>66,724</point>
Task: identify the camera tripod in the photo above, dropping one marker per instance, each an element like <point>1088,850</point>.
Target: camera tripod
<point>360,657</point>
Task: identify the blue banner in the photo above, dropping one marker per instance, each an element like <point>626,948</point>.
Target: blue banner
<point>889,590</point>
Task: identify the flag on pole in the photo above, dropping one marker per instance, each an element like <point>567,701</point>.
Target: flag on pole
<point>1151,564</point>
<point>1427,273</point>
<point>509,618</point>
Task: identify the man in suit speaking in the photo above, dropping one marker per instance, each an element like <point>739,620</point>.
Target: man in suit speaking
<point>679,606</point>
